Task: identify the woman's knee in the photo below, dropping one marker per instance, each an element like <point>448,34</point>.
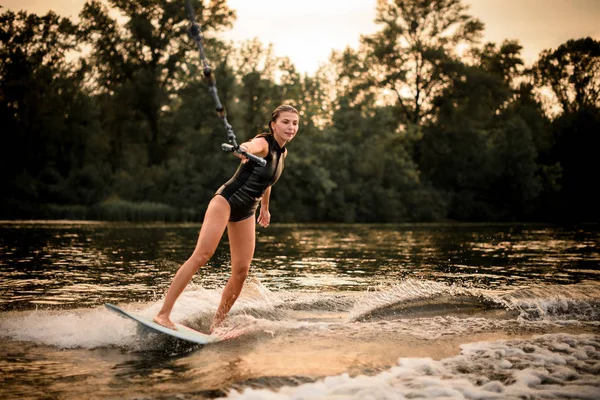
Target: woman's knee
<point>240,273</point>
<point>200,257</point>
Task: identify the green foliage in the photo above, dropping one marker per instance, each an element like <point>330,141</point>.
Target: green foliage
<point>370,163</point>
<point>48,119</point>
<point>122,210</point>
<point>420,123</point>
<point>480,151</point>
<point>515,185</point>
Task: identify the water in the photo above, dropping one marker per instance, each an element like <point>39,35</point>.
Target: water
<point>329,312</point>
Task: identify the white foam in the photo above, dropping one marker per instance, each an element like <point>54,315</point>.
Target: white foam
<point>539,368</point>
<point>98,327</point>
<point>70,329</point>
<point>259,310</point>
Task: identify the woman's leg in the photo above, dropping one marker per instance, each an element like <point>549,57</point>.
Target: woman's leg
<point>215,221</point>
<point>241,242</point>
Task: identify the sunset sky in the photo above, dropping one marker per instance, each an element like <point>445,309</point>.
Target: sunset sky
<point>309,30</point>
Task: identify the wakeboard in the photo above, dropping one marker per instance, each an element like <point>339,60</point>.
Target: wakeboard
<point>183,332</point>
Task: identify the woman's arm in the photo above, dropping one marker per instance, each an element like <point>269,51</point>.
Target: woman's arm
<point>257,146</point>
<point>264,217</point>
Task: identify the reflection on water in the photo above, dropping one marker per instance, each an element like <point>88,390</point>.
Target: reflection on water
<point>72,264</point>
<point>374,308</point>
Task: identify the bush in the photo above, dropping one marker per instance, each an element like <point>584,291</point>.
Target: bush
<point>122,210</point>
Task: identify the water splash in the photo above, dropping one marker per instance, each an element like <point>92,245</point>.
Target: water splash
<point>68,329</point>
<point>414,299</point>
<point>420,309</point>
<point>544,302</point>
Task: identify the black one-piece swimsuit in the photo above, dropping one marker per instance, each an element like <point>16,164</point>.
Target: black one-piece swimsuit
<point>246,187</point>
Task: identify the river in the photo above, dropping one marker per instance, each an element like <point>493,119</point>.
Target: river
<point>492,311</point>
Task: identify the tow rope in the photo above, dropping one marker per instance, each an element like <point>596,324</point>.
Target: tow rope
<point>196,34</point>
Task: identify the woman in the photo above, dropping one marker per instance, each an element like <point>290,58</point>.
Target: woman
<point>233,207</point>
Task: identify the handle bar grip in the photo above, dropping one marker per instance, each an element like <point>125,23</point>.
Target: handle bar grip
<point>260,161</point>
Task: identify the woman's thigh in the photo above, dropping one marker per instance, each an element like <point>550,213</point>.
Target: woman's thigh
<point>213,226</point>
<point>242,242</point>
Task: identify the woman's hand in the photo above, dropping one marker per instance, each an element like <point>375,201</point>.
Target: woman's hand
<point>241,156</point>
<point>264,217</point>
<point>257,146</point>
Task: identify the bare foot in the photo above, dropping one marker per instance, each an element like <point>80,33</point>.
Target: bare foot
<point>215,326</point>
<point>165,321</point>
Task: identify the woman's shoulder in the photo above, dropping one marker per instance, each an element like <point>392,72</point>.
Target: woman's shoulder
<point>261,143</point>
<point>264,137</point>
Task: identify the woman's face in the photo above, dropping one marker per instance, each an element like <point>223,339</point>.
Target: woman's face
<point>285,126</point>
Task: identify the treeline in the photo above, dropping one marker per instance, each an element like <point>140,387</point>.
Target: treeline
<point>109,118</point>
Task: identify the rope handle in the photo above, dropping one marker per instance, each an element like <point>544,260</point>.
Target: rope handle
<point>228,147</point>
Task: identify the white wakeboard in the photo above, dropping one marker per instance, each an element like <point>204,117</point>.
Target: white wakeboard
<point>182,332</point>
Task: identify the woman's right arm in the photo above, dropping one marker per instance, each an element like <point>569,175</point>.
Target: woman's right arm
<point>257,146</point>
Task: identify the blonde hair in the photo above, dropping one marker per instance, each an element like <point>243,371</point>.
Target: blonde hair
<point>278,111</point>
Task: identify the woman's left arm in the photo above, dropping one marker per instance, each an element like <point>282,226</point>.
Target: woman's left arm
<point>264,217</point>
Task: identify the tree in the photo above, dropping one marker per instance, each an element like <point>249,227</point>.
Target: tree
<point>572,73</point>
<point>138,64</point>
<point>414,54</point>
<point>46,115</point>
<point>478,150</point>
<point>577,140</point>
<point>257,68</point>
<point>504,61</point>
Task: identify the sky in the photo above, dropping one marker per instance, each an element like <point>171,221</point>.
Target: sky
<point>308,31</point>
